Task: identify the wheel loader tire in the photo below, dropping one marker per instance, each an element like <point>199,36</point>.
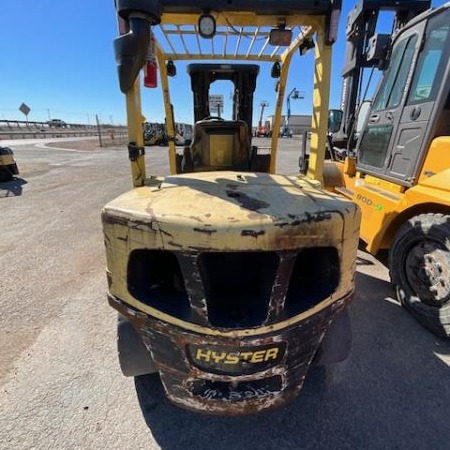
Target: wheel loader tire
<point>419,264</point>
<point>134,359</point>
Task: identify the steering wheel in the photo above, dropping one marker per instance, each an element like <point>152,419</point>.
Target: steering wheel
<point>213,118</point>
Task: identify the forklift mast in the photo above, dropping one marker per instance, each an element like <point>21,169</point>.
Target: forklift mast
<point>366,49</point>
<point>243,77</point>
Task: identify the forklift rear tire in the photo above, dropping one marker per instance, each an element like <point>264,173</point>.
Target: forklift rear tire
<point>134,358</point>
<point>336,345</point>
<point>419,263</point>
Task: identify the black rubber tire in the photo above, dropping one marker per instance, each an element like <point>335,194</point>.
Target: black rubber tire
<point>419,264</point>
<point>14,169</point>
<point>5,174</point>
<point>134,359</point>
<point>337,342</point>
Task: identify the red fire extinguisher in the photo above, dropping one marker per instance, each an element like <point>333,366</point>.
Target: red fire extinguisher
<point>151,67</point>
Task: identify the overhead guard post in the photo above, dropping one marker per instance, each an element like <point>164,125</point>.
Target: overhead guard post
<point>135,18</point>
<point>321,96</point>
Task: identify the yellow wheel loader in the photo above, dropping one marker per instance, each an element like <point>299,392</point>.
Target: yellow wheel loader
<point>230,280</point>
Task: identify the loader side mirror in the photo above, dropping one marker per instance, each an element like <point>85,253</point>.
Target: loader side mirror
<point>334,120</point>
<point>363,114</point>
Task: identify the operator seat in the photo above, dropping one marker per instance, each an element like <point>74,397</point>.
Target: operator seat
<point>218,144</point>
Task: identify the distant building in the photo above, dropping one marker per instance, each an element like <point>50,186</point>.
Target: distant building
<point>298,124</point>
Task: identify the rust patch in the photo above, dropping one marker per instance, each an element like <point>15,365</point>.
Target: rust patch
<point>166,233</point>
<point>308,218</point>
<point>205,230</point>
<point>230,393</point>
<point>197,219</point>
<point>253,233</point>
<point>108,219</point>
<point>174,244</point>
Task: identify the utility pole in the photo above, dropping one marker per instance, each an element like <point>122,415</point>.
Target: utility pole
<point>99,131</point>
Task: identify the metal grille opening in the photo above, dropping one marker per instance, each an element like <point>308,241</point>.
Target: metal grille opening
<point>238,287</point>
<point>315,277</point>
<point>154,277</point>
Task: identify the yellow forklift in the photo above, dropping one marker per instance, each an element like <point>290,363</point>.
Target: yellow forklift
<point>230,281</point>
<point>399,171</point>
<point>8,165</point>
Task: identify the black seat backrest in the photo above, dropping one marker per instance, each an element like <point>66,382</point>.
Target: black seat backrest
<point>220,145</point>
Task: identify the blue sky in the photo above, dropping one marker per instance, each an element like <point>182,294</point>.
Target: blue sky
<point>57,57</point>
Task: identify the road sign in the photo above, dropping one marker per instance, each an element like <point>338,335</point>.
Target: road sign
<point>216,104</point>
<point>25,109</point>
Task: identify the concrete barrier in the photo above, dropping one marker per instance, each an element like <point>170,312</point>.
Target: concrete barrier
<point>18,129</point>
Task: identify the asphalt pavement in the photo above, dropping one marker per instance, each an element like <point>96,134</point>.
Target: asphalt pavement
<point>60,384</point>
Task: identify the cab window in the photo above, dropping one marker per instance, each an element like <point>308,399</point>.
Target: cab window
<point>432,60</point>
<point>391,91</point>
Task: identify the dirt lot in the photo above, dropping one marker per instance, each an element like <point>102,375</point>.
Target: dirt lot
<point>60,385</point>
<point>110,140</point>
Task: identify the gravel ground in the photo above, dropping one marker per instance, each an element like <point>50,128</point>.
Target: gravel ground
<point>60,385</point>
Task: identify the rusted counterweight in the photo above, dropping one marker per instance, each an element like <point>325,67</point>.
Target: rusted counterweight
<point>232,280</point>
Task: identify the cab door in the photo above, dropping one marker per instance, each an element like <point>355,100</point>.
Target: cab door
<point>397,133</point>
<point>375,148</point>
<point>420,112</point>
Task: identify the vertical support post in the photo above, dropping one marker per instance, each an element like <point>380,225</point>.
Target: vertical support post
<point>135,133</point>
<point>278,108</point>
<point>286,58</point>
<point>170,125</point>
<point>321,97</point>
<point>99,131</point>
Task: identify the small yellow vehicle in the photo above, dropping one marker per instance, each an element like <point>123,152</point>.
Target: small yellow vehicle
<point>230,281</point>
<point>8,165</point>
